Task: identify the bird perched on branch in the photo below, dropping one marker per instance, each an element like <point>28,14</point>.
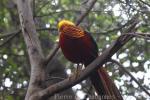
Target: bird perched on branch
<point>78,46</point>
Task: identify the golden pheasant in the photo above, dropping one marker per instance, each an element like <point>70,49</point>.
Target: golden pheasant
<point>78,46</point>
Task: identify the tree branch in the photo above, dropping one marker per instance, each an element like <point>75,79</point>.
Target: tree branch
<point>141,35</point>
<point>42,6</point>
<point>33,46</point>
<point>47,29</point>
<point>52,54</point>
<point>129,22</point>
<point>103,58</point>
<point>71,81</point>
<point>67,11</point>
<point>144,2</point>
<point>9,34</point>
<point>132,77</point>
<point>84,14</point>
<point>10,37</point>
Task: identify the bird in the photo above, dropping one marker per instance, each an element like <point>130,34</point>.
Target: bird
<point>78,46</point>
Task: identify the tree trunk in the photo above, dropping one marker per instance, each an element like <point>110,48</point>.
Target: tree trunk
<point>38,67</point>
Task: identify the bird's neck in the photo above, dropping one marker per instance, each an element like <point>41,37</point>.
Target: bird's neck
<point>72,31</point>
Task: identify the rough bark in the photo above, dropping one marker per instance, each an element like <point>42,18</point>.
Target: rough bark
<point>38,67</point>
<point>33,47</point>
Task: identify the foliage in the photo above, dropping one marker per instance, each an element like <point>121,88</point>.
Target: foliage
<point>107,20</point>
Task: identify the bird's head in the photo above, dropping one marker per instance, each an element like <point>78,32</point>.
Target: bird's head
<point>63,23</point>
<point>69,28</point>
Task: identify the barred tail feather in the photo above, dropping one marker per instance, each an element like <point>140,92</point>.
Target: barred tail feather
<point>104,86</point>
<point>109,84</point>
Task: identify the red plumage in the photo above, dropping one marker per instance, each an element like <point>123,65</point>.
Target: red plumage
<point>78,46</point>
<point>78,50</point>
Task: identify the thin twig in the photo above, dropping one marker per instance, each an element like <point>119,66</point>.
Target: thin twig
<point>54,77</point>
<point>140,35</point>
<point>84,14</point>
<point>133,78</point>
<point>146,3</point>
<point>68,11</point>
<point>40,8</point>
<point>52,54</point>
<point>47,29</point>
<point>119,28</point>
<point>11,36</point>
<point>137,34</point>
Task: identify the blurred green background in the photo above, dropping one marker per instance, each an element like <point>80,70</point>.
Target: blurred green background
<point>106,21</point>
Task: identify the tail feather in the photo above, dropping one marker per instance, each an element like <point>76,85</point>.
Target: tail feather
<point>97,83</point>
<point>111,87</point>
<point>104,86</point>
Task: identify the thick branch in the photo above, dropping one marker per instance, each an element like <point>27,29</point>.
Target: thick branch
<point>33,46</point>
<point>71,81</point>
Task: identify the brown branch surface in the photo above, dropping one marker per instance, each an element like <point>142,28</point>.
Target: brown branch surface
<point>33,46</point>
<point>71,81</point>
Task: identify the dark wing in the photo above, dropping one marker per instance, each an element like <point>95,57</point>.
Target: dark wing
<point>94,45</point>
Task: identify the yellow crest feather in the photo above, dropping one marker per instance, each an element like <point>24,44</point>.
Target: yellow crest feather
<point>63,22</point>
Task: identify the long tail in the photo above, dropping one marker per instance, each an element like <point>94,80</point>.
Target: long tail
<point>104,86</point>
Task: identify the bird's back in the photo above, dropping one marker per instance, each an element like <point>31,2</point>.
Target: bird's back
<point>78,49</point>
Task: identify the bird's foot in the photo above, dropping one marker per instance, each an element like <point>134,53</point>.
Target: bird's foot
<point>78,70</point>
